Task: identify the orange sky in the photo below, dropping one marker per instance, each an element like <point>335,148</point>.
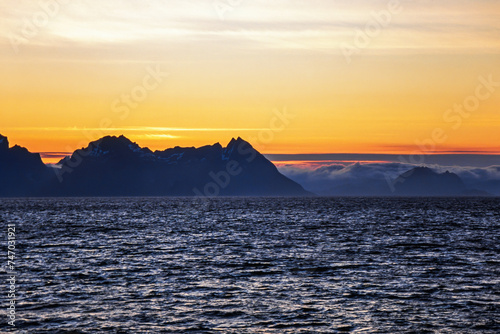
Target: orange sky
<point>87,69</point>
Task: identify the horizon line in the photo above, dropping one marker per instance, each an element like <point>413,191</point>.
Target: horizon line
<point>443,159</point>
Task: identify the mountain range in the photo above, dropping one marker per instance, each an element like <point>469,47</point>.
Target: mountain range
<point>116,166</point>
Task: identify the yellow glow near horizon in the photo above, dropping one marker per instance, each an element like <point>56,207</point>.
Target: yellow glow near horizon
<point>187,74</point>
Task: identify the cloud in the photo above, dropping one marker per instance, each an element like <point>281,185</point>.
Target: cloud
<point>471,173</point>
<point>313,25</point>
<point>374,179</point>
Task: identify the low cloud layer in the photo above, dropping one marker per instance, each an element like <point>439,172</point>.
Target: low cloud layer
<point>375,179</point>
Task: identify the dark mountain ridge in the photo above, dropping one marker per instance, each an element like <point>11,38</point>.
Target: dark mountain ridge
<point>21,173</point>
<point>116,166</point>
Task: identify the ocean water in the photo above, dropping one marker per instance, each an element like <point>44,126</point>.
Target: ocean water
<point>250,265</point>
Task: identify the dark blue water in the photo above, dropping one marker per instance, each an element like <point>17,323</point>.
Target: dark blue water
<point>245,265</point>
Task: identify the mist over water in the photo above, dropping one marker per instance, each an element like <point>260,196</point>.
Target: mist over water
<point>256,265</point>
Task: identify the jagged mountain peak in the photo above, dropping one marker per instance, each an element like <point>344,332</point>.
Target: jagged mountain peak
<point>235,147</point>
<point>4,143</point>
<point>113,145</point>
<point>236,142</point>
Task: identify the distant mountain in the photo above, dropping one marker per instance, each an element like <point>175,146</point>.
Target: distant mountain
<point>116,166</point>
<point>423,181</point>
<point>21,173</point>
<point>393,179</point>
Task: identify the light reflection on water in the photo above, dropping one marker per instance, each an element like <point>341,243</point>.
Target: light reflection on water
<point>246,265</point>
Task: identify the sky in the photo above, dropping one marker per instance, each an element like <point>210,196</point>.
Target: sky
<point>291,77</point>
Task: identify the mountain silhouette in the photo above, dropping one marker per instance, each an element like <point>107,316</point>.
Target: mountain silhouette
<point>423,181</point>
<point>21,173</point>
<point>116,166</point>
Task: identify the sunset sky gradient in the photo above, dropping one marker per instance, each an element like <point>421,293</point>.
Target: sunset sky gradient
<point>231,69</point>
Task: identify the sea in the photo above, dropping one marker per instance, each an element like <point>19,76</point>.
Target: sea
<point>253,265</point>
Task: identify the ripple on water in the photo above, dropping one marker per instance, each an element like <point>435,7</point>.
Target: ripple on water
<point>248,265</point>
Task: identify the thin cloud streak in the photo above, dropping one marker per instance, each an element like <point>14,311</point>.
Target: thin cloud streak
<point>134,129</point>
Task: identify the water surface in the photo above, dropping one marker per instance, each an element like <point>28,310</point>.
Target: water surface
<point>249,265</point>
